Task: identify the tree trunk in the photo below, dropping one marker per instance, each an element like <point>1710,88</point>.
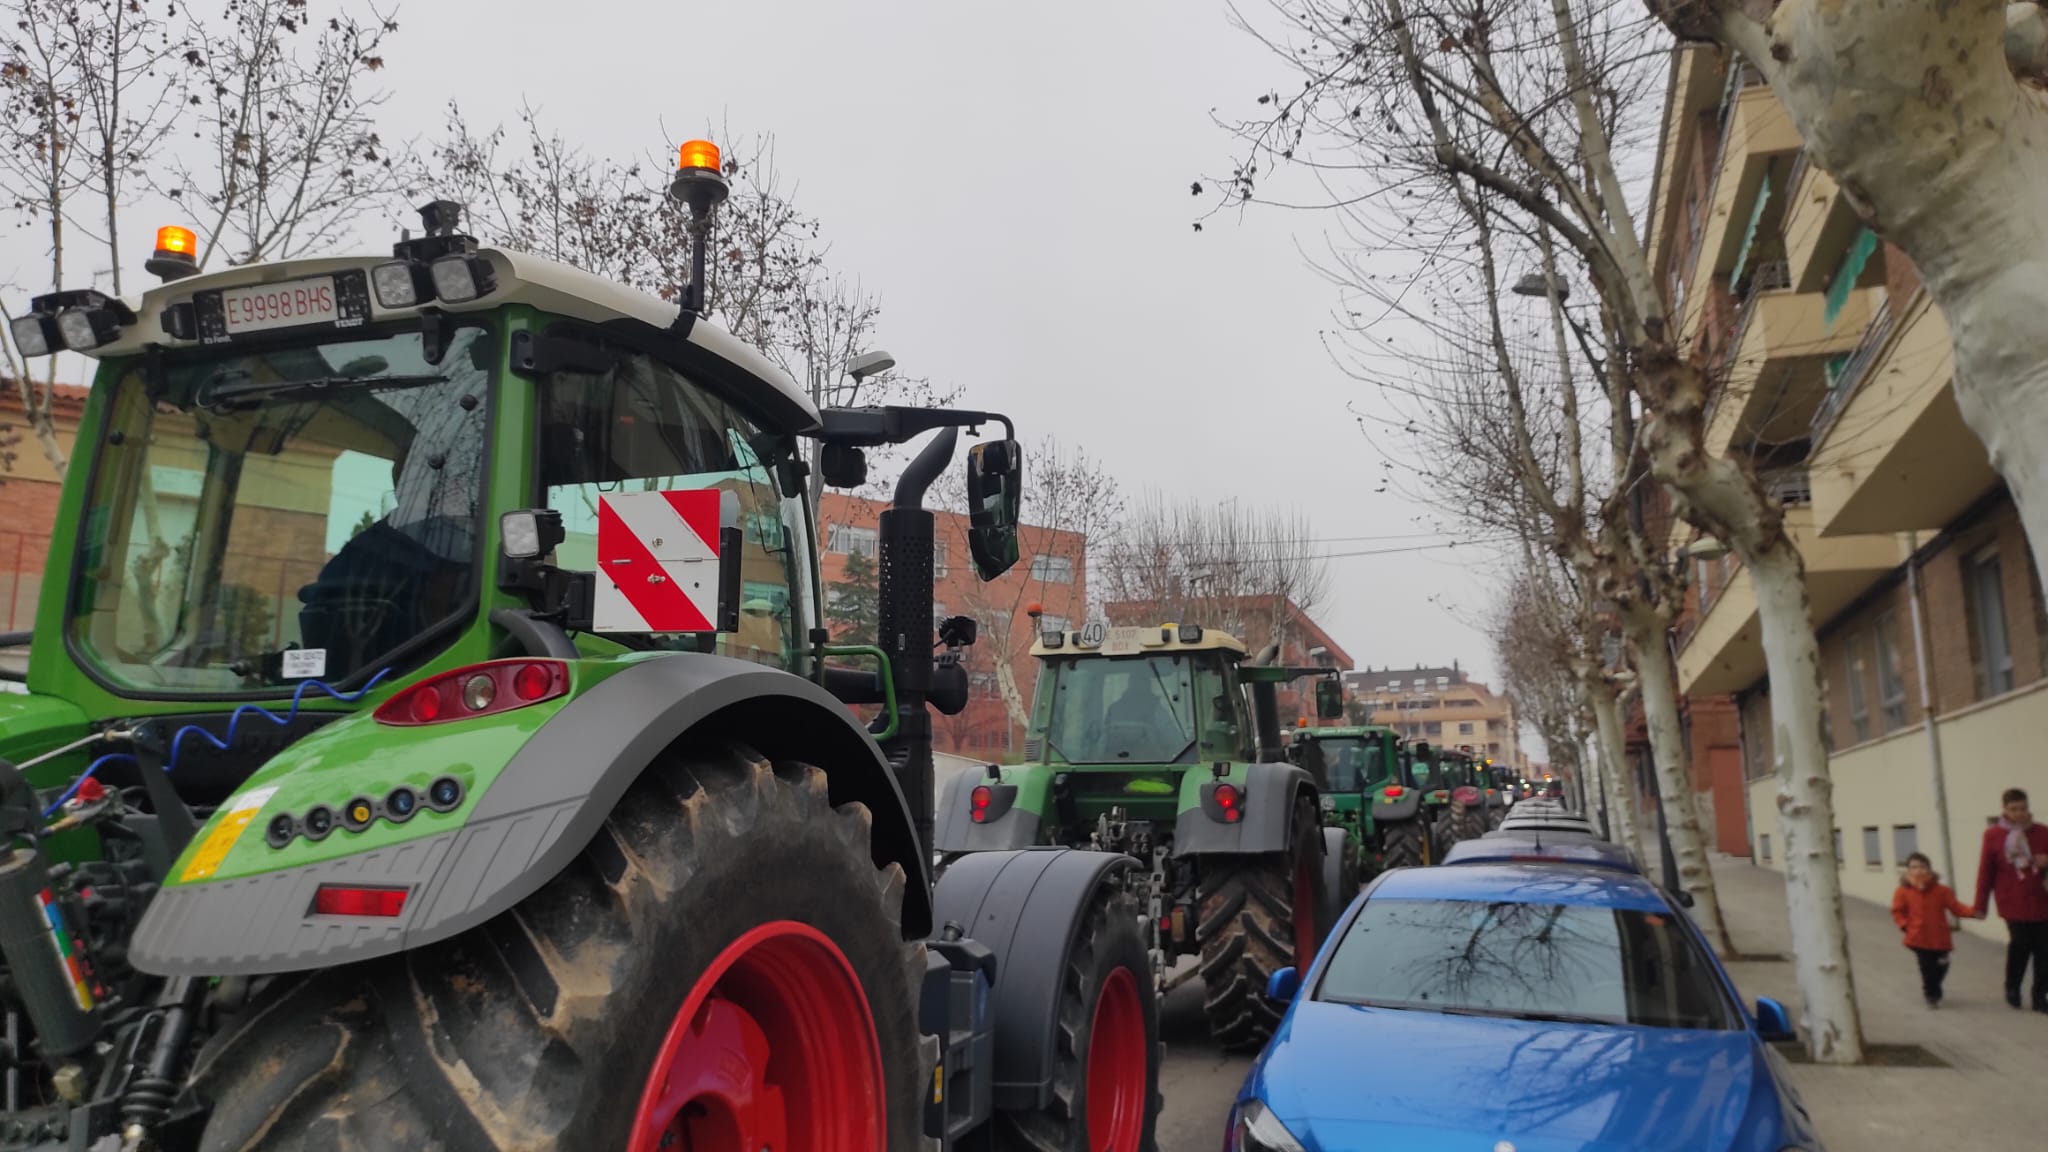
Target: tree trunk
<point>1644,631</point>
<point>1013,697</point>
<point>1806,810</point>
<point>1616,784</point>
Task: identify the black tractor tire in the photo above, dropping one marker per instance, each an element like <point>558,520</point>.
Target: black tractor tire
<point>1247,930</point>
<point>1109,940</point>
<point>1404,844</point>
<point>1341,870</point>
<point>539,1029</point>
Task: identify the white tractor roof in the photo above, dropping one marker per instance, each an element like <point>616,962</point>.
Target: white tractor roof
<point>523,278</point>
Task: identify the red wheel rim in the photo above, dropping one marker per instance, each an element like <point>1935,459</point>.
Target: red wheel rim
<point>1116,1067</point>
<point>1304,914</point>
<point>774,1048</point>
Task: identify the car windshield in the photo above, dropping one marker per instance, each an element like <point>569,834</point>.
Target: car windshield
<point>1577,962</point>
<point>1125,710</point>
<point>265,515</point>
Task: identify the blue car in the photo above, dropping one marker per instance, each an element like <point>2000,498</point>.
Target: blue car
<point>1518,1007</point>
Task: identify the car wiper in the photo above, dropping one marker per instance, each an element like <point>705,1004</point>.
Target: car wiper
<point>1545,1017</point>
<point>221,392</point>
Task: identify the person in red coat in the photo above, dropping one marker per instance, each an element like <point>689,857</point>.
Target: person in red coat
<point>1921,907</point>
<point>2014,865</point>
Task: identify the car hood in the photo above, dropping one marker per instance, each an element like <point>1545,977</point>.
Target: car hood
<point>1343,1077</point>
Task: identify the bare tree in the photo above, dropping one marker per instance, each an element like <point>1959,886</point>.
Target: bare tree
<point>1244,570</point>
<point>1525,101</point>
<point>289,153</point>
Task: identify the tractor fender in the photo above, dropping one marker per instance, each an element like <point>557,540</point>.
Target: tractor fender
<point>1269,794</point>
<point>1027,907</point>
<point>1401,808</point>
<point>533,820</point>
<point>1020,796</point>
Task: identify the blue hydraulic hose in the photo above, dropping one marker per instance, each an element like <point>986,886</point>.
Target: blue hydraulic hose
<point>234,718</point>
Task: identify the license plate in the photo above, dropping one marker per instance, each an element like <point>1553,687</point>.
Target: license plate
<point>286,305</point>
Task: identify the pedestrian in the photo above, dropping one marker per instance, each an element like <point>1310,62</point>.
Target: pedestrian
<point>1921,907</point>
<point>2014,866</point>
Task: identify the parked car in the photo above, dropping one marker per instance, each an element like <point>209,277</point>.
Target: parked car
<point>1516,845</point>
<point>1540,1006</point>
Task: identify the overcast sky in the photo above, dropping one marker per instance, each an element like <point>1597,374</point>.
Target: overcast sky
<point>1013,184</point>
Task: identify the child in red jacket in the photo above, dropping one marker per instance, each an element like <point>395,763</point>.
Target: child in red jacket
<point>1921,907</point>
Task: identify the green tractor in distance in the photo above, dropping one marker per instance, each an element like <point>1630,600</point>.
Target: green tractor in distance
<point>1455,795</point>
<point>1362,774</point>
<point>1164,743</point>
<point>428,740</point>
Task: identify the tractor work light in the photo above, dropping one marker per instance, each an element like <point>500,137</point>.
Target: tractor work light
<point>176,255</point>
<point>1053,639</point>
<point>1191,633</point>
<point>462,277</point>
<point>397,284</point>
<point>529,533</point>
<point>35,335</point>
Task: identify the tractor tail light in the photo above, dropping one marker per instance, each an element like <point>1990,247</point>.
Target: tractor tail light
<point>477,690</point>
<point>982,797</point>
<point>1228,800</point>
<point>332,900</point>
<point>1394,792</point>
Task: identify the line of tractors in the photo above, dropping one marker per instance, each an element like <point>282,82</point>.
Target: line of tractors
<point>429,739</point>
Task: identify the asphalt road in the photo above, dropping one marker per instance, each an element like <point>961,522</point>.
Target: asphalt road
<point>1199,1080</point>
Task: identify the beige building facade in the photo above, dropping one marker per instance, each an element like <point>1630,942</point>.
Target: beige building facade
<point>1444,706</point>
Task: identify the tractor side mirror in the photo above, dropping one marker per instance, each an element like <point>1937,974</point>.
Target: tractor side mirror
<point>995,491</point>
<point>1329,699</point>
<point>843,466</point>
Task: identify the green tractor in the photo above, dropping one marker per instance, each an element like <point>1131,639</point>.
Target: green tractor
<point>428,741</point>
<point>1164,743</point>
<point>1454,793</point>
<point>1360,771</point>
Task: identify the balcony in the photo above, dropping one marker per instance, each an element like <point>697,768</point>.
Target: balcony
<point>1890,450</point>
<point>1755,132</point>
<point>1777,375</point>
<point>1723,652</point>
<point>1819,226</point>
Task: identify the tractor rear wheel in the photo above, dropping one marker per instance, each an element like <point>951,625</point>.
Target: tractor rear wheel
<point>1406,844</point>
<point>722,968</point>
<point>1106,1072</point>
<point>1259,914</point>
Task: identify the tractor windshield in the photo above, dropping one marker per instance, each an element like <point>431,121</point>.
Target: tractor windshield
<point>1352,763</point>
<point>264,515</point>
<point>1135,710</point>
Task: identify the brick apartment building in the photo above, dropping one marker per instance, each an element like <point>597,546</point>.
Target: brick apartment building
<point>1837,383</point>
<point>1444,706</point>
<point>1252,619</point>
<point>1051,572</point>
<point>28,502</point>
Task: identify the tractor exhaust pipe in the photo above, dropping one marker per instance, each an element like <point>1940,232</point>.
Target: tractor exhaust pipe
<point>904,580</point>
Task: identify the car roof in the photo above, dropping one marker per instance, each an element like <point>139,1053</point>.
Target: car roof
<point>1514,883</point>
<point>1511,844</point>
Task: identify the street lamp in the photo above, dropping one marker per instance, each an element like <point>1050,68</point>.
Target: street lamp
<point>1538,285</point>
<point>870,363</point>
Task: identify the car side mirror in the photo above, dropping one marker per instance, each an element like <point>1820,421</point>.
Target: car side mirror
<point>995,493</point>
<point>1773,1023</point>
<point>1285,983</point>
<point>1329,699</point>
<point>1684,898</point>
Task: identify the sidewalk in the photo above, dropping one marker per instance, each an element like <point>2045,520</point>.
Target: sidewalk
<point>1993,1093</point>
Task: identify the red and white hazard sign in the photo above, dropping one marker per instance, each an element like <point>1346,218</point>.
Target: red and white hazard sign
<point>657,561</point>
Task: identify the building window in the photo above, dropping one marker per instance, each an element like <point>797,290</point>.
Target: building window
<point>1051,623</point>
<point>1464,728</point>
<point>1443,681</point>
<point>1841,854</point>
<point>2040,613</point>
<point>938,613</point>
<point>1052,569</point>
<point>1393,685</point>
<point>1858,657</point>
<point>1873,848</point>
<point>939,565</point>
<point>1991,644</point>
<point>1763,847</point>
<point>846,540</point>
<point>1493,749</point>
<point>1905,841</point>
<point>1891,673</point>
